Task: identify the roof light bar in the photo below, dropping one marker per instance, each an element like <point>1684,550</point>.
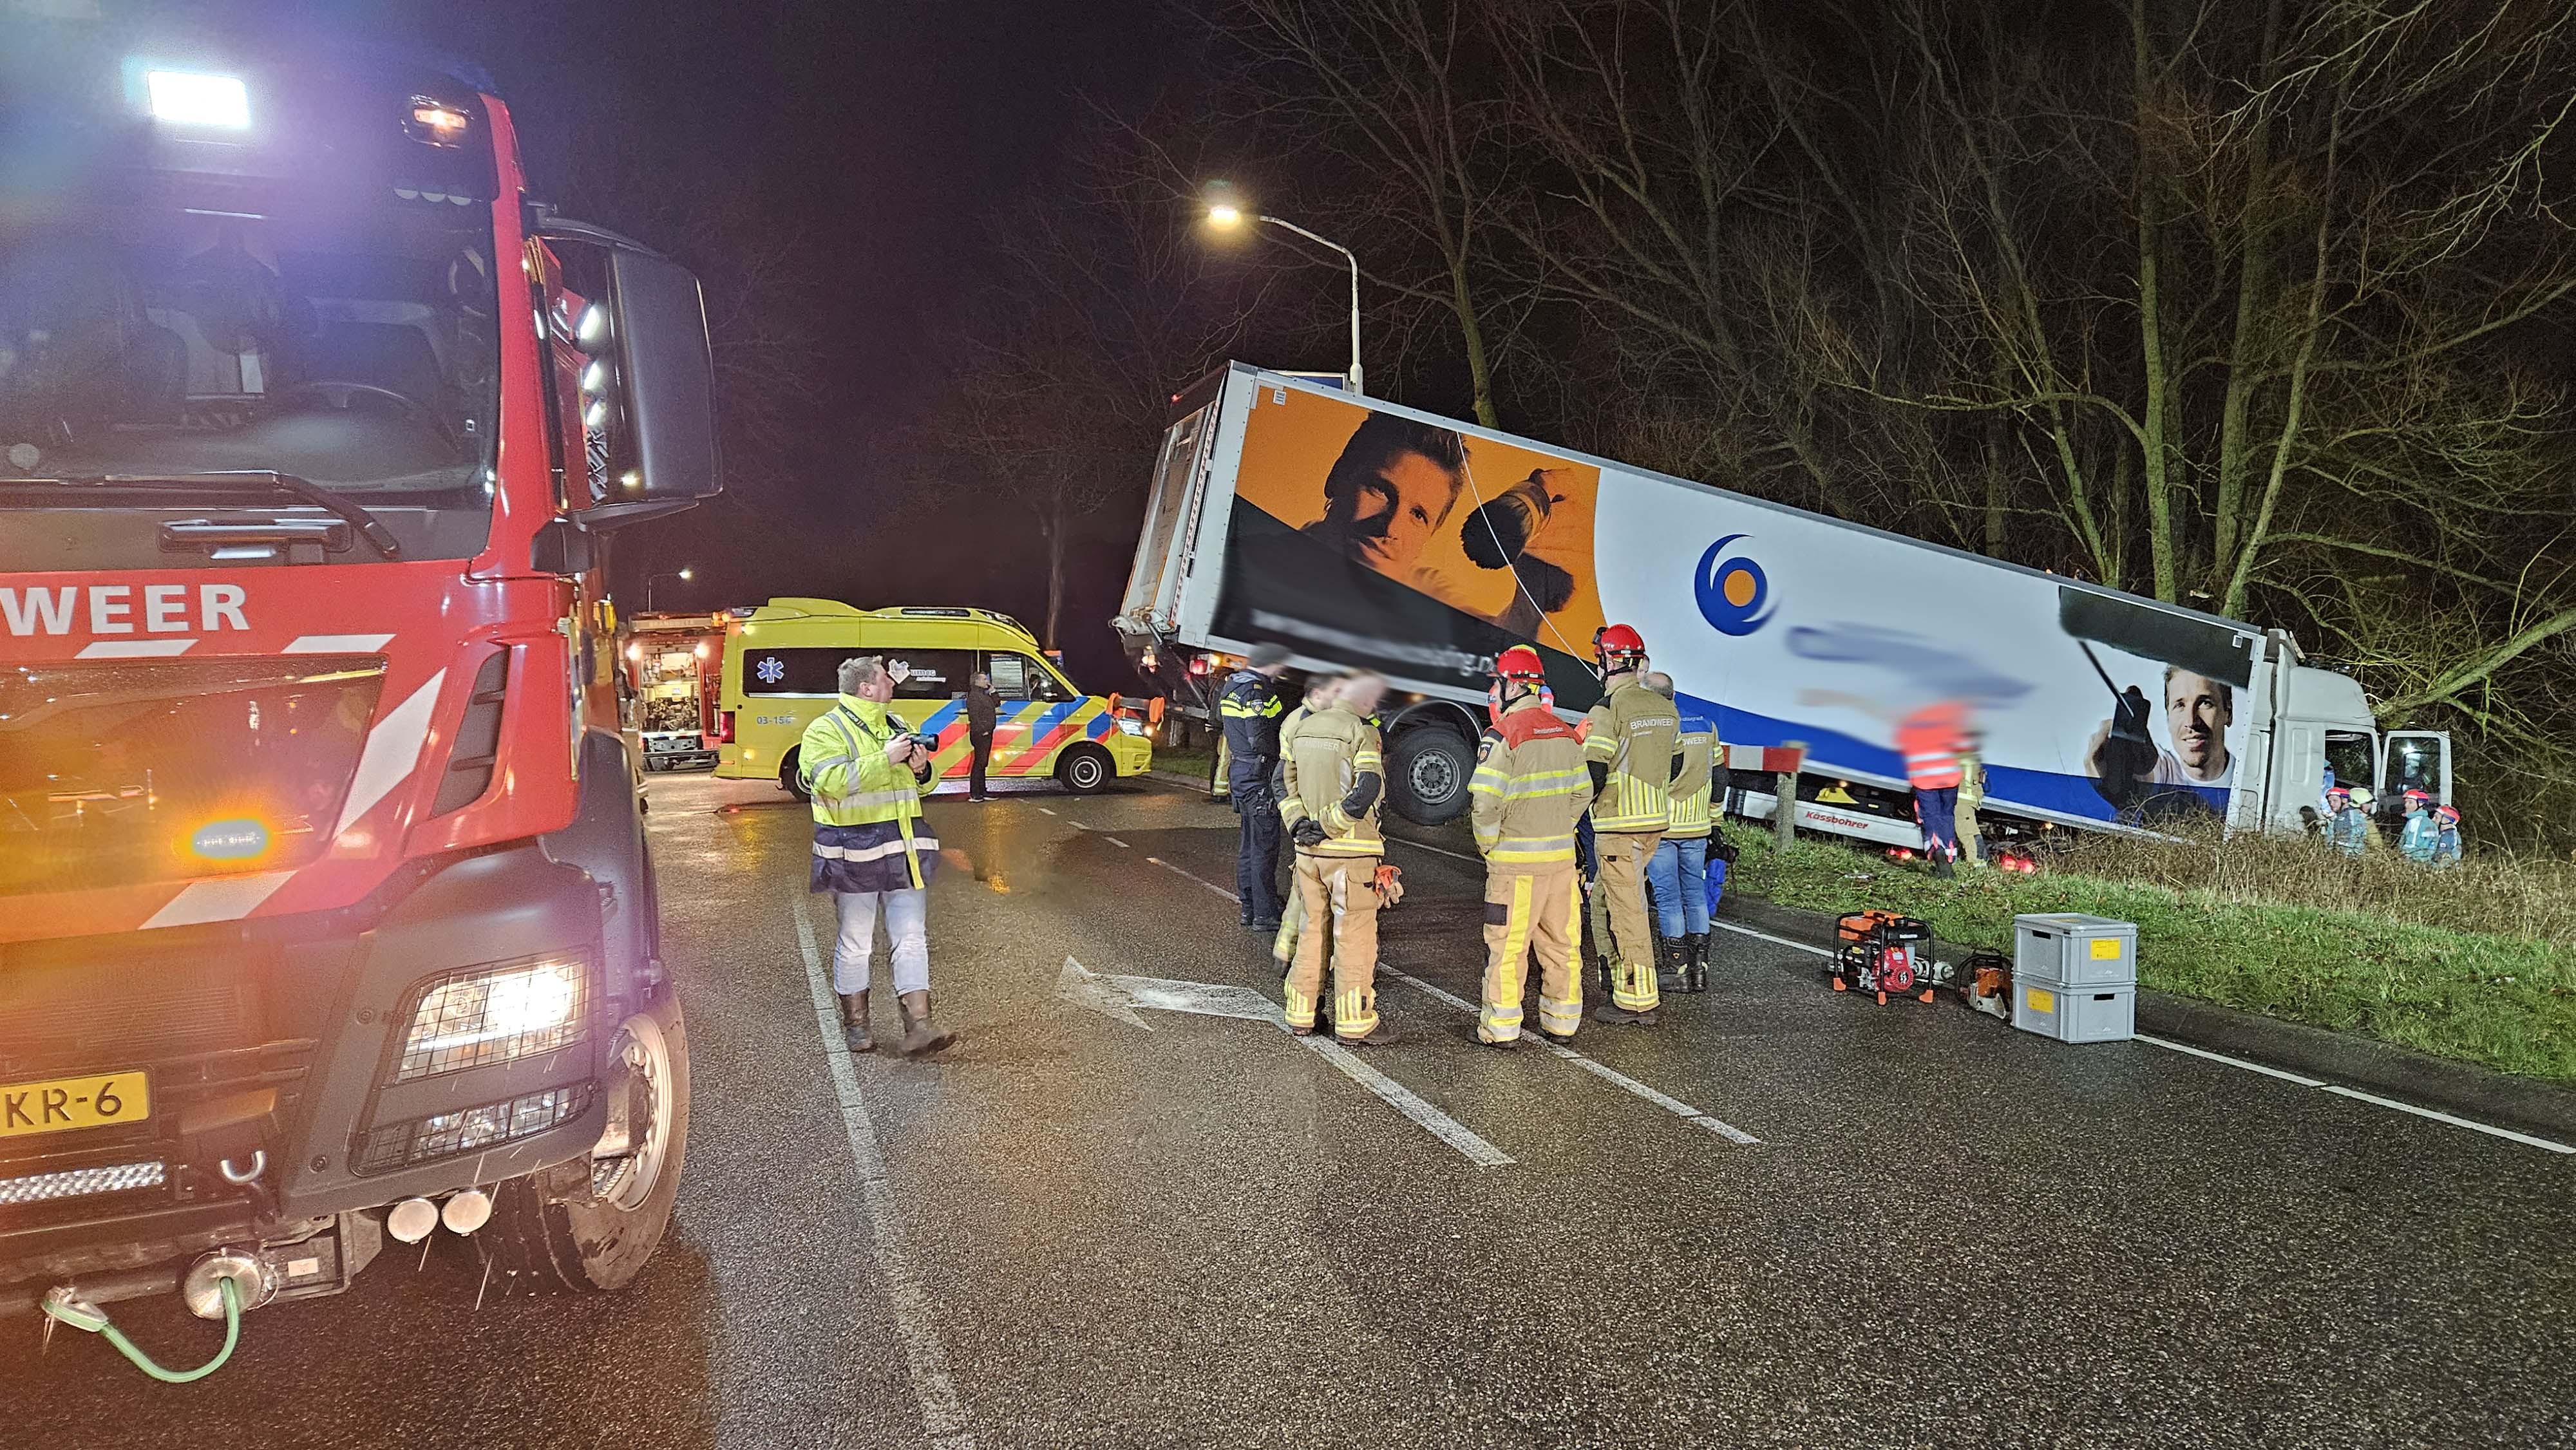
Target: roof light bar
<point>187,98</point>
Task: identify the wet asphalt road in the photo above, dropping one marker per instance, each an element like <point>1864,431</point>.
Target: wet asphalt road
<point>1201,1233</point>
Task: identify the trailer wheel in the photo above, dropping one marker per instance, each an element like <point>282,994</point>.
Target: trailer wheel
<point>790,778</point>
<point>1084,769</point>
<point>1427,772</point>
<point>591,1224</point>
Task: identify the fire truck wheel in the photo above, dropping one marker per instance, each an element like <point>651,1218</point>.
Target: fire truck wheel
<point>789,779</point>
<point>591,1224</point>
<point>1084,769</point>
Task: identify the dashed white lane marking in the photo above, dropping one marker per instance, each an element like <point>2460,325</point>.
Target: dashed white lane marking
<point>2319,1084</point>
<point>1615,1078</point>
<point>1203,881</point>
<point>1403,1099</point>
<point>1050,810</point>
<point>1121,845</point>
<point>924,1356</point>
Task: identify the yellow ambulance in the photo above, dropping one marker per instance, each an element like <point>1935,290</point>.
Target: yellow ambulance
<point>781,670</point>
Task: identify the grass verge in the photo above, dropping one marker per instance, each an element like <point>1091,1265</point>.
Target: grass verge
<point>1192,761</point>
<point>2502,1001</point>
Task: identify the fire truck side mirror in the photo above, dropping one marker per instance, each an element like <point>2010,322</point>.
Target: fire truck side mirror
<point>649,390</point>
<point>663,361</point>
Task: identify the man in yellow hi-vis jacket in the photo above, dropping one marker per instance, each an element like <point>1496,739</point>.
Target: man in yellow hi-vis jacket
<point>1336,779</point>
<point>867,773</point>
<point>1630,745</point>
<point>1529,789</point>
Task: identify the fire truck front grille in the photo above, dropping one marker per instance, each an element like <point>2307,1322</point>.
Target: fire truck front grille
<point>138,1007</point>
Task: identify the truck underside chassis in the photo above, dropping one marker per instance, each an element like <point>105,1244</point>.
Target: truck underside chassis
<point>287,1097</point>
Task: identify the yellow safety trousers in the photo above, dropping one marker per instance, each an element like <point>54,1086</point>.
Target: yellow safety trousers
<point>1532,911</point>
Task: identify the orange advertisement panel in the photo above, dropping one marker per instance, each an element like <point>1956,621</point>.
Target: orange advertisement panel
<point>1497,532</point>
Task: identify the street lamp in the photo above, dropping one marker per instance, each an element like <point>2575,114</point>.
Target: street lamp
<point>1225,212</point>
<point>683,575</point>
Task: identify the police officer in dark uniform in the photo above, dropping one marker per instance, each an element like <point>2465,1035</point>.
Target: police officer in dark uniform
<point>1250,704</point>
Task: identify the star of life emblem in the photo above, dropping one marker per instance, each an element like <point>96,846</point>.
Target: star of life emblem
<point>772,670</point>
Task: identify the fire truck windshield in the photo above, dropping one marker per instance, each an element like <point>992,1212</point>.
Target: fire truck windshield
<point>349,342</point>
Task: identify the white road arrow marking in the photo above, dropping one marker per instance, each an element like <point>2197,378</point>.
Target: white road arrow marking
<point>1120,997</point>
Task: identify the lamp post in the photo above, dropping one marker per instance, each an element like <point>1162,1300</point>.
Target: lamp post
<point>1225,212</point>
<point>683,575</point>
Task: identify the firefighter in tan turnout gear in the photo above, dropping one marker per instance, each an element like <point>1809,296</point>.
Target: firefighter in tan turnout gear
<point>1529,789</point>
<point>1630,746</point>
<point>1335,782</point>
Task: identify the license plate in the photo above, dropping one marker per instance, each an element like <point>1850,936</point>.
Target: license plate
<point>69,1103</point>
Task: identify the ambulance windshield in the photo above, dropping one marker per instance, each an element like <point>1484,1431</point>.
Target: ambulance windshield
<point>167,331</point>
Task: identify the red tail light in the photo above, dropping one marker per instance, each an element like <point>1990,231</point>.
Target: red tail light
<point>724,727</point>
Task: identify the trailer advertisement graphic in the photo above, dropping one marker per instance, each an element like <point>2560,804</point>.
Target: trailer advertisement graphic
<point>1368,536</point>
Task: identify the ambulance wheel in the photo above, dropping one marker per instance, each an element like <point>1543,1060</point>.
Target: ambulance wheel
<point>1084,769</point>
<point>789,778</point>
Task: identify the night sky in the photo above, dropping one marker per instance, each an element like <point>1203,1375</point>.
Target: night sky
<point>882,134</point>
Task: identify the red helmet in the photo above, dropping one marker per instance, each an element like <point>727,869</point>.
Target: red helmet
<point>2417,797</point>
<point>2447,815</point>
<point>1618,641</point>
<point>1520,662</point>
<point>2335,793</point>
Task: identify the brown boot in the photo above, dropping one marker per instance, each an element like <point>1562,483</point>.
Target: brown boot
<point>920,1037</point>
<point>854,1022</point>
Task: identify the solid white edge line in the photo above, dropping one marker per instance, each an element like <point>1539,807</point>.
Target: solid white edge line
<point>1663,1100</point>
<point>1766,936</point>
<point>2312,1082</point>
<point>2551,1144</point>
<point>942,1416</point>
<point>2283,1074</point>
<point>1437,850</point>
<point>1403,1099</point>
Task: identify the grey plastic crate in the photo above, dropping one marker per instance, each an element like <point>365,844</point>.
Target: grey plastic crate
<point>2068,949</point>
<point>2075,1014</point>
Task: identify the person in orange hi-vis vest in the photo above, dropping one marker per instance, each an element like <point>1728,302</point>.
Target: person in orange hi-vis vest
<point>1934,741</point>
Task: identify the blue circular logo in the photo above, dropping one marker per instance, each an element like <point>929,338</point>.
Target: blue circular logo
<point>1734,596</point>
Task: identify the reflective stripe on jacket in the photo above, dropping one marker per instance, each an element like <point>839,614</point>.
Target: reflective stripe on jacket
<point>843,760</point>
<point>1331,750</point>
<point>1632,732</point>
<point>1250,705</point>
<point>1931,740</point>
<point>1690,793</point>
<point>1530,787</point>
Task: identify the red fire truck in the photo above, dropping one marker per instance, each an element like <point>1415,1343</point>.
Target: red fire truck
<point>328,910</point>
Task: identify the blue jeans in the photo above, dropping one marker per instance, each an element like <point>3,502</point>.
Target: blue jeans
<point>1679,874</point>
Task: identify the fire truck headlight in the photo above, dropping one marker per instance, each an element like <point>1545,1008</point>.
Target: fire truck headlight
<point>485,1016</point>
<point>186,98</point>
<point>592,330</point>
